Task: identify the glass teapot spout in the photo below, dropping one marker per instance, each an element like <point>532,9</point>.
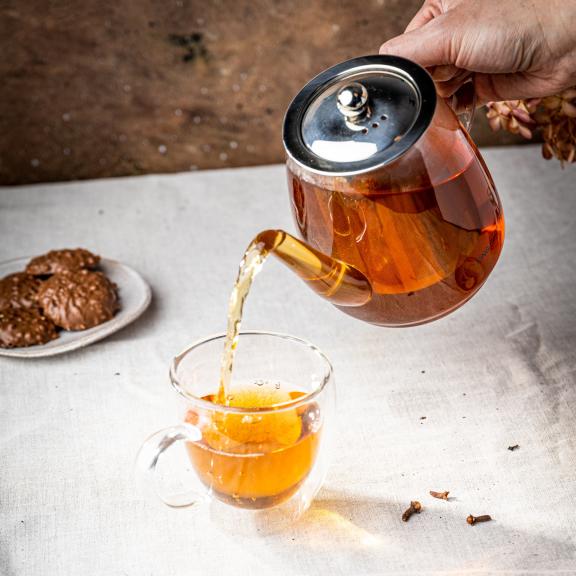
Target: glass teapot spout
<point>332,279</point>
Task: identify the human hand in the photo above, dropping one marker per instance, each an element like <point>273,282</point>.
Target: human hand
<point>514,49</point>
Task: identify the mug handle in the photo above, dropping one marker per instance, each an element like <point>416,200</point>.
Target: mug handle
<point>463,102</point>
<point>172,492</point>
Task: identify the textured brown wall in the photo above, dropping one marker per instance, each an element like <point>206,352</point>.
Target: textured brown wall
<point>116,87</point>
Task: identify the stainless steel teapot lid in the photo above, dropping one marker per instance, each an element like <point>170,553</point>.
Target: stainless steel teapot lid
<point>359,115</point>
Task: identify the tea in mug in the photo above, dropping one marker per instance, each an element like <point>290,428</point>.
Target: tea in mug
<point>256,460</point>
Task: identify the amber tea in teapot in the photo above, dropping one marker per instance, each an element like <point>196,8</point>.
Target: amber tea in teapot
<point>425,248</point>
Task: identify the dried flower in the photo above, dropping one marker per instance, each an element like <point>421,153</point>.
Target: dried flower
<point>562,103</point>
<point>515,116</point>
<point>554,117</point>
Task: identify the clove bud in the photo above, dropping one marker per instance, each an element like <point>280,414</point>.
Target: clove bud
<point>440,495</point>
<point>475,519</point>
<point>415,508</point>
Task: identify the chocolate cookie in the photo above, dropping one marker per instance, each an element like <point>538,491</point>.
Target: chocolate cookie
<point>78,300</point>
<point>25,327</point>
<point>62,261</point>
<point>18,290</point>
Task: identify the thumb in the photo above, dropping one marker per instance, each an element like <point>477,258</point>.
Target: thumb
<point>429,45</point>
<point>428,11</point>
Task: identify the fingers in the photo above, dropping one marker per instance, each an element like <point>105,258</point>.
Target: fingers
<point>445,73</point>
<point>453,84</point>
<point>498,87</point>
<point>429,45</point>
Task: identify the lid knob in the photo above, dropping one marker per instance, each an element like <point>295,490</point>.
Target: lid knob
<point>352,100</point>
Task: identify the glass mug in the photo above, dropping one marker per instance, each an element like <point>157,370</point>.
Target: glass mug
<point>264,454</point>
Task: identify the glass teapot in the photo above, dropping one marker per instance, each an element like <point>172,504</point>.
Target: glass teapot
<point>400,220</point>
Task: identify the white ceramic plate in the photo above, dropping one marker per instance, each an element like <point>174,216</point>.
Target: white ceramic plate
<point>135,296</point>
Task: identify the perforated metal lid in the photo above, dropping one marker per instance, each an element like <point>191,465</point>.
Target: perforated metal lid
<point>359,115</point>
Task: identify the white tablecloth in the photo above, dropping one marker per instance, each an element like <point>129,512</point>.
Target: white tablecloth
<point>498,372</point>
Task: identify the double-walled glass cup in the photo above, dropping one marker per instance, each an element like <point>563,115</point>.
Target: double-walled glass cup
<point>261,455</point>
